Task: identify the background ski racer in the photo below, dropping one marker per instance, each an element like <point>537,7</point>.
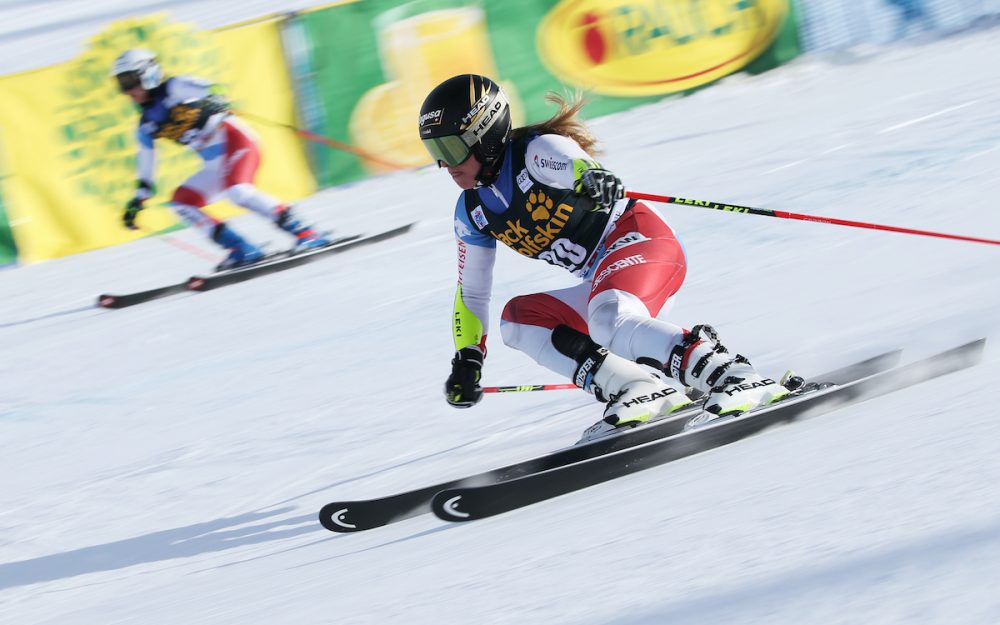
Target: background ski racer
<point>539,191</point>
<point>188,110</point>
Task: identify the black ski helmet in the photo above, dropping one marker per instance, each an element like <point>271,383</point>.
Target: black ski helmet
<point>465,114</point>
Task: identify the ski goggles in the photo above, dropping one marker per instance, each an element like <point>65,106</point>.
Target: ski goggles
<point>128,81</point>
<point>450,150</point>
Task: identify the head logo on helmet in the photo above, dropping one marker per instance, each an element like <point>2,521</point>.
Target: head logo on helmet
<point>466,114</point>
<point>137,67</point>
<point>478,106</point>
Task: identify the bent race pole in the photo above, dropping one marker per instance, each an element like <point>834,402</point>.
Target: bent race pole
<point>735,208</point>
<point>528,387</point>
<point>309,135</point>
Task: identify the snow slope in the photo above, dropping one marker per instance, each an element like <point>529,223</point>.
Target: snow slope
<point>164,464</point>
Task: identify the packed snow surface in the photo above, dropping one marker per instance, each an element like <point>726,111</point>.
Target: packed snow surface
<point>165,463</point>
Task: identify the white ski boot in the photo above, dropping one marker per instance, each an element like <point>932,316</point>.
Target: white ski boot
<point>731,384</point>
<point>634,395</point>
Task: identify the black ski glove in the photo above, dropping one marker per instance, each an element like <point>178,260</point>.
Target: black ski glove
<point>600,185</point>
<point>144,190</point>
<point>462,389</point>
<point>131,210</point>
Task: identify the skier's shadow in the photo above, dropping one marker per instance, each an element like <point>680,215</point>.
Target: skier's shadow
<point>183,542</point>
<point>395,466</point>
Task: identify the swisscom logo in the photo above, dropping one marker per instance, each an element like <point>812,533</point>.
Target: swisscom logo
<point>548,163</point>
<point>651,47</point>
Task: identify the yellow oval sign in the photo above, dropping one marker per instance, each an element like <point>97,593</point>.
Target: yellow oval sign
<point>650,47</point>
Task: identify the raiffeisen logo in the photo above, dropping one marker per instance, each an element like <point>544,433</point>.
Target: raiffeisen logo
<point>650,47</point>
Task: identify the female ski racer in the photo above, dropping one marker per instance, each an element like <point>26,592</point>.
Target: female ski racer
<point>188,111</point>
<point>539,190</point>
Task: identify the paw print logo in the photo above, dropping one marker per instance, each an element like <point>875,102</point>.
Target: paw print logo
<point>539,205</point>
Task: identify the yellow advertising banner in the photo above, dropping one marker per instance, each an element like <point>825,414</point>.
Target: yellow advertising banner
<point>655,47</point>
<point>69,136</point>
<point>259,84</point>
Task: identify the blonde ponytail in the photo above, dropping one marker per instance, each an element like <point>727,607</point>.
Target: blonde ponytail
<point>564,122</point>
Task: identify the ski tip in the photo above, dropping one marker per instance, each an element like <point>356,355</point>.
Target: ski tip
<point>392,232</point>
<point>334,241</point>
<point>107,301</point>
<point>979,343</point>
<point>336,518</point>
<point>970,353</point>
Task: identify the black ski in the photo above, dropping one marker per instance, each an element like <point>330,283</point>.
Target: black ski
<point>234,276</point>
<point>109,300</point>
<point>477,502</point>
<point>273,264</point>
<point>355,516</point>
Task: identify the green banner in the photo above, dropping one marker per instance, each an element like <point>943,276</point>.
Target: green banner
<point>8,248</point>
<point>8,251</point>
<point>333,62</point>
<point>361,70</point>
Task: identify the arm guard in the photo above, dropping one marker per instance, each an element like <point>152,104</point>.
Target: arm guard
<point>466,327</point>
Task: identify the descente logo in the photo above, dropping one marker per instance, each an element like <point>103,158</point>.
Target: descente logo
<point>618,265</point>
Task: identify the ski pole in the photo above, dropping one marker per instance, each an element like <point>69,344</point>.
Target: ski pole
<point>309,135</point>
<point>735,208</point>
<point>528,387</point>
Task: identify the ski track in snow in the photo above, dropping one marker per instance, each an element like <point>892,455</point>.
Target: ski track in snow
<point>165,463</point>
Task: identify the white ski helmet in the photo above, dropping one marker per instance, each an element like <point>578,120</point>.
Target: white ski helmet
<point>137,67</point>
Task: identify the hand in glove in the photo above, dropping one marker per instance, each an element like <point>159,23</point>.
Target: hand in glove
<point>462,389</point>
<point>131,210</point>
<point>600,185</point>
<point>144,190</point>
